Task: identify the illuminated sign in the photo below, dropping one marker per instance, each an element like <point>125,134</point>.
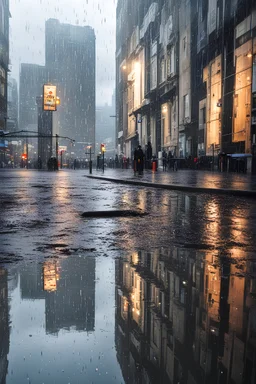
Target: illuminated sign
<point>63,148</point>
<point>49,98</point>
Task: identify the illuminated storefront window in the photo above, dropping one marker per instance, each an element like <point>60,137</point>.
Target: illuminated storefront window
<point>242,96</point>
<point>166,123</point>
<point>213,77</point>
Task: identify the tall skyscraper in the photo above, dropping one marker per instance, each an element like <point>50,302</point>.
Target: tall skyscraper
<point>32,79</point>
<point>12,107</point>
<point>4,60</point>
<point>70,60</point>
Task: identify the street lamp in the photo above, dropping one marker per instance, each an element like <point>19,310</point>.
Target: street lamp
<point>103,150</point>
<point>90,161</point>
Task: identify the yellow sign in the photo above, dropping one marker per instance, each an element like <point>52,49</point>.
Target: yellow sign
<point>49,97</point>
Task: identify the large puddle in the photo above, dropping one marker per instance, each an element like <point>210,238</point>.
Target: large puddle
<point>166,316</point>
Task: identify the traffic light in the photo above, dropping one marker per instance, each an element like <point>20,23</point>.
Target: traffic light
<point>24,156</point>
<point>102,148</point>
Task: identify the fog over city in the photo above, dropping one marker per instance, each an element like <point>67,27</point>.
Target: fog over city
<point>27,28</point>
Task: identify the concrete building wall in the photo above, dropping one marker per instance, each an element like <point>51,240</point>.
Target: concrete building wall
<point>206,106</point>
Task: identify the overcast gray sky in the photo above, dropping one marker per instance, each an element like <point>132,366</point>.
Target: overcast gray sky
<point>27,34</point>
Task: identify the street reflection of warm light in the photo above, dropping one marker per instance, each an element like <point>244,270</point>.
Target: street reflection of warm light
<point>63,194</point>
<point>136,297</point>
<point>236,300</point>
<point>212,222</point>
<point>165,204</point>
<point>125,308</point>
<point>142,196</point>
<point>239,225</point>
<point>50,276</point>
<point>212,283</point>
<point>135,258</point>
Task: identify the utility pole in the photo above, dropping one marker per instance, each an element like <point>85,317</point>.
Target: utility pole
<point>90,162</point>
<point>57,150</point>
<point>27,151</point>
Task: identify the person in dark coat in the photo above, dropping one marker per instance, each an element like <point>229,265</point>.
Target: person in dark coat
<point>148,155</point>
<point>135,160</point>
<point>140,160</point>
<point>164,160</point>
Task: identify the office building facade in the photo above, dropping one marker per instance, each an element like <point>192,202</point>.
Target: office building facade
<point>186,77</point>
<point>32,79</point>
<point>12,105</point>
<point>70,60</point>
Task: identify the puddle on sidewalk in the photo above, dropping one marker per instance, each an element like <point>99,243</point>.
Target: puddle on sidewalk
<point>166,316</point>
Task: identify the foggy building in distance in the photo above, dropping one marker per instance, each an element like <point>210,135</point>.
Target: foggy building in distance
<point>32,79</point>
<point>70,59</point>
<point>4,60</point>
<point>105,129</point>
<point>12,106</point>
<point>71,304</point>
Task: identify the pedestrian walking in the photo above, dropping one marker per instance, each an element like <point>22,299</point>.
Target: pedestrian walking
<point>135,160</point>
<point>164,160</point>
<point>148,155</point>
<point>116,162</point>
<point>140,160</point>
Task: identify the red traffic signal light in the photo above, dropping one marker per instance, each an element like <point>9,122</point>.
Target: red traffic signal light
<point>102,148</point>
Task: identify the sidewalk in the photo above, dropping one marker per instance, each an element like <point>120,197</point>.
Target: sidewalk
<point>187,180</point>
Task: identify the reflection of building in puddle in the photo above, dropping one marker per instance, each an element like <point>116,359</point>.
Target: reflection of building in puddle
<point>72,304</point>
<point>4,325</point>
<point>68,288</point>
<point>50,275</point>
<point>185,316</point>
<point>31,282</point>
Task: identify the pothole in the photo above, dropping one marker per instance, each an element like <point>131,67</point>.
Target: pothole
<point>113,213</point>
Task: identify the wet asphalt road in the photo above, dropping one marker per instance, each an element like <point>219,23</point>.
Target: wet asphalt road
<point>40,211</point>
<point>84,299</point>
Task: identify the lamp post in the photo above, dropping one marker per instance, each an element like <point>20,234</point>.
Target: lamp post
<point>90,161</point>
<point>27,151</point>
<point>57,150</point>
<point>103,149</point>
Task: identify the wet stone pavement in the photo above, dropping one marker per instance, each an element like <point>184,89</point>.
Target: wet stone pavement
<point>165,297</point>
<point>188,177</point>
